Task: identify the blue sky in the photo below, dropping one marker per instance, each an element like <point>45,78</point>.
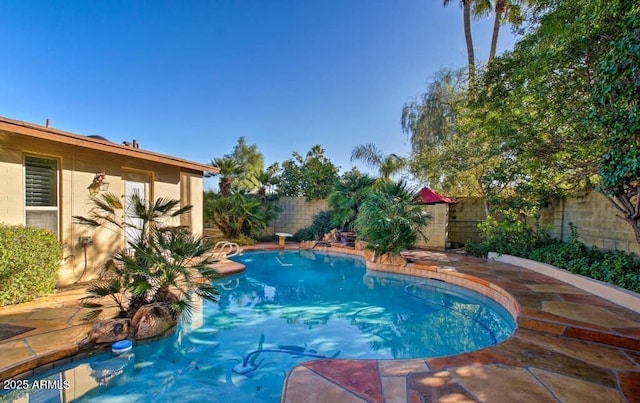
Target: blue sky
<point>187,78</point>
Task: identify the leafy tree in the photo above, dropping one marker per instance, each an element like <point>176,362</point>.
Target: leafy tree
<point>312,176</point>
<point>250,159</point>
<point>387,165</point>
<point>348,194</point>
<point>448,152</point>
<point>291,177</point>
<point>616,95</point>
<point>164,264</point>
<point>389,221</point>
<point>531,105</point>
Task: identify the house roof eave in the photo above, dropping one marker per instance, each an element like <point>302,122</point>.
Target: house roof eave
<point>47,133</point>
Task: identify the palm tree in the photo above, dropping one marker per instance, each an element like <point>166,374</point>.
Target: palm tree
<point>389,221</point>
<point>229,169</point>
<point>505,11</point>
<point>264,182</point>
<point>387,165</point>
<point>165,263</point>
<point>347,196</point>
<point>466,11</point>
<point>240,213</point>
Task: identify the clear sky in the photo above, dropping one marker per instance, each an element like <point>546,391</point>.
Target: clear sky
<point>187,78</point>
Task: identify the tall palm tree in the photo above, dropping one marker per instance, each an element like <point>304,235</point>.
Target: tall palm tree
<point>387,165</point>
<point>229,169</point>
<point>505,11</point>
<point>466,11</point>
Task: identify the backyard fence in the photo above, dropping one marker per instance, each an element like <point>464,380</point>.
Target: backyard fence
<point>454,225</point>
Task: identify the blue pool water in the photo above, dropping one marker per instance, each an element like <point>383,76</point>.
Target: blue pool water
<point>288,307</point>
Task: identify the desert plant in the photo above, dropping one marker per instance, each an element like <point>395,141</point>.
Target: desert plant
<point>240,213</point>
<point>389,221</point>
<point>29,263</point>
<point>348,194</point>
<point>165,264</point>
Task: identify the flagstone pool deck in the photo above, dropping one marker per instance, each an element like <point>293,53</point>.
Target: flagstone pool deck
<point>570,346</point>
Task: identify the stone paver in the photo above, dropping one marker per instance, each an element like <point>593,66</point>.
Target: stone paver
<point>304,385</point>
<point>493,383</point>
<point>570,345</point>
<point>572,390</point>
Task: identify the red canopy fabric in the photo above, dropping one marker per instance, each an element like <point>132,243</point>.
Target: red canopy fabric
<point>428,196</point>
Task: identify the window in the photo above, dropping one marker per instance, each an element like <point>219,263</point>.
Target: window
<point>41,193</point>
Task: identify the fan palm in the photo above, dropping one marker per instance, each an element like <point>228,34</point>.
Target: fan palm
<point>389,221</point>
<point>165,263</point>
<point>387,165</point>
<point>229,169</point>
<point>240,213</point>
<point>347,196</point>
<point>264,182</point>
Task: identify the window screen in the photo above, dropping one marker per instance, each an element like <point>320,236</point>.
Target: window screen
<point>41,193</point>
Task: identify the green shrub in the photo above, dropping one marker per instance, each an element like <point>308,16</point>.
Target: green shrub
<point>320,225</point>
<point>241,240</point>
<point>29,263</point>
<point>477,249</point>
<point>618,268</point>
<point>304,234</point>
<point>508,236</point>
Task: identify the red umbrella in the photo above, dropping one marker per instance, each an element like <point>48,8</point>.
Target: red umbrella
<point>428,196</point>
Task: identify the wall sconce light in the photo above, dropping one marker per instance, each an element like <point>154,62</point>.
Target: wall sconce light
<point>98,184</point>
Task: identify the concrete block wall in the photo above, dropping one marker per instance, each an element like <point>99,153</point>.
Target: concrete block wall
<point>464,218</point>
<point>297,213</point>
<point>594,216</point>
<point>596,220</point>
<point>438,229</point>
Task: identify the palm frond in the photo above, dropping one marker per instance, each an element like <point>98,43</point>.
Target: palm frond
<point>86,221</point>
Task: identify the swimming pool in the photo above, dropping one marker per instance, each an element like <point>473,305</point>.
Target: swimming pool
<point>286,308</point>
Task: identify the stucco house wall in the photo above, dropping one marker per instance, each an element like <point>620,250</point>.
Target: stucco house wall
<point>79,159</point>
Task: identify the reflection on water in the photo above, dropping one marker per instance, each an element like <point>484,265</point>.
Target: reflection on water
<point>285,309</point>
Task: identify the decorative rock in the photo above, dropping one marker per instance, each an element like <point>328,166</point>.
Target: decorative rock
<point>392,260</point>
<point>386,258</point>
<point>108,331</point>
<point>307,244</point>
<point>152,320</point>
<point>369,255</point>
<point>331,236</point>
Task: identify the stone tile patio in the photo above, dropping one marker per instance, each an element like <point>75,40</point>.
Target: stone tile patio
<point>570,346</point>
